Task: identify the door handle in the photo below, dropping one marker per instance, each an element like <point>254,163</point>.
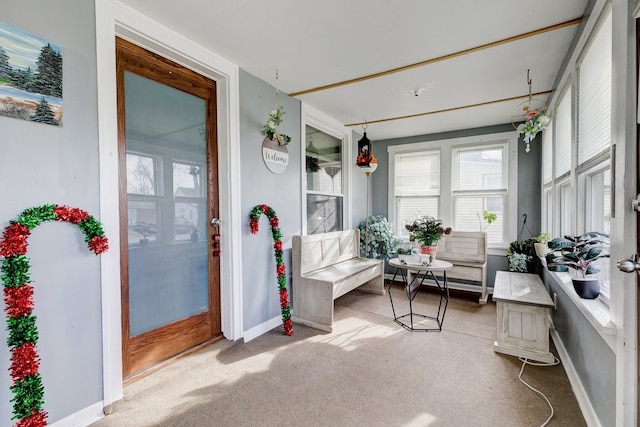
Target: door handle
<point>215,237</point>
<point>629,265</point>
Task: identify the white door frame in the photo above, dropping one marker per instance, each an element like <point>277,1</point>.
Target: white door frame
<point>115,19</point>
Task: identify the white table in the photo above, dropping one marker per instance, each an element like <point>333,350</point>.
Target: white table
<point>410,274</point>
<point>522,307</point>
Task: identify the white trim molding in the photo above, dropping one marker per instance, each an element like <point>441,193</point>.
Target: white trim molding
<point>446,148</point>
<point>114,19</point>
<point>319,120</point>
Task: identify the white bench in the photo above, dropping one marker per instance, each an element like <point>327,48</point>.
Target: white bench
<point>467,251</point>
<point>522,305</point>
<point>325,267</point>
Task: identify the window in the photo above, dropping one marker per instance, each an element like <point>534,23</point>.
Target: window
<point>189,200</point>
<point>323,160</point>
<point>456,181</point>
<point>417,189</point>
<point>480,184</point>
<point>581,179</point>
<point>143,190</point>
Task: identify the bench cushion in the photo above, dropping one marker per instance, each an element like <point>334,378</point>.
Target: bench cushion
<point>346,275</point>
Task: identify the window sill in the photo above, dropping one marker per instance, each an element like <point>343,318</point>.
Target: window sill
<point>594,310</point>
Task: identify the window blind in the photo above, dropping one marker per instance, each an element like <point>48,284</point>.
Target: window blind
<point>417,174</point>
<point>547,153</point>
<point>594,95</point>
<point>563,134</point>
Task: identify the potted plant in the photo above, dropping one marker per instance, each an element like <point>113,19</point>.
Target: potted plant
<point>376,233</point>
<point>540,244</point>
<point>489,217</point>
<point>579,253</point>
<point>426,230</point>
<point>521,256</point>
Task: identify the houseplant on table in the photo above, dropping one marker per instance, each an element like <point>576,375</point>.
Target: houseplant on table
<point>426,230</point>
<point>579,253</point>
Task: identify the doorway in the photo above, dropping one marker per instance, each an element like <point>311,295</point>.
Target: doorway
<point>168,183</point>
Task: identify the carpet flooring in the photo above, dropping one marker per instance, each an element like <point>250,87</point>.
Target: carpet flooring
<point>368,372</point>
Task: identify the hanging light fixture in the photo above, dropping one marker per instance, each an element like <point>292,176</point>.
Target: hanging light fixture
<point>368,163</point>
<point>365,159</point>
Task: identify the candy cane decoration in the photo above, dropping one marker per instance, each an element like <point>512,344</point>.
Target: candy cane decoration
<point>27,388</point>
<point>254,218</point>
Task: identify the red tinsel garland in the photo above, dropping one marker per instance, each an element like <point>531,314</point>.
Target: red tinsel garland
<point>254,217</point>
<point>19,303</point>
<point>72,215</point>
<point>36,419</point>
<point>98,244</point>
<point>14,240</point>
<point>24,361</point>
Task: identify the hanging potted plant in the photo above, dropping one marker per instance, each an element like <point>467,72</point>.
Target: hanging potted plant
<point>426,231</point>
<point>270,128</point>
<point>579,253</point>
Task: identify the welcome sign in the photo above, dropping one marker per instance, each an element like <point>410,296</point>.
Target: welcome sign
<point>274,155</point>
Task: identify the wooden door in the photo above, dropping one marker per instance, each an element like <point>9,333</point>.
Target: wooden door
<point>168,200</point>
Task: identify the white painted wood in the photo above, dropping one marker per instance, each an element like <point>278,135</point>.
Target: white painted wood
<point>325,267</point>
<point>522,305</point>
<point>467,251</point>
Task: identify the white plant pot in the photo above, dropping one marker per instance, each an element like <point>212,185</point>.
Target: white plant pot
<point>541,249</point>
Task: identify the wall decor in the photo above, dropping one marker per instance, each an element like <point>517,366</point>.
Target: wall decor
<point>254,218</point>
<point>274,147</point>
<point>30,76</point>
<point>27,388</point>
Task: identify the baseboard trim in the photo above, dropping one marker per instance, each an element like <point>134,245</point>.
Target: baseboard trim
<point>83,417</point>
<point>581,395</point>
<point>262,328</point>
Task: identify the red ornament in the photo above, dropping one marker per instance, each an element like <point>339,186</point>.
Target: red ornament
<point>14,240</point>
<point>19,300</point>
<point>24,361</point>
<point>253,225</point>
<point>278,245</point>
<point>265,208</point>
<point>274,221</point>
<point>73,215</point>
<point>36,419</point>
<point>280,269</point>
<point>99,244</point>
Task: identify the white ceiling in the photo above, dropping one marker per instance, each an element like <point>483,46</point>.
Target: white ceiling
<point>319,43</point>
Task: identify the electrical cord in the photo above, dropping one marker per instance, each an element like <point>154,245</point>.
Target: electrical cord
<point>525,362</point>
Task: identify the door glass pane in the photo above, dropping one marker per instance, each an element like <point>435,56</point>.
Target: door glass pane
<point>166,202</point>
